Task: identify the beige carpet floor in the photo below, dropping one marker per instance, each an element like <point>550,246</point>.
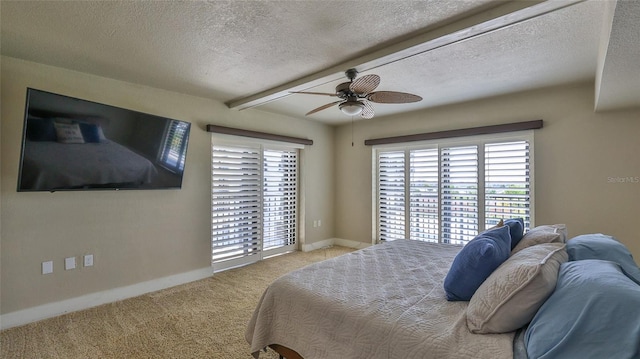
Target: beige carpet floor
<point>202,319</point>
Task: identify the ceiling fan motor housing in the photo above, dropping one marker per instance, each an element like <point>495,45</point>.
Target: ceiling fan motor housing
<point>351,74</point>
<point>343,90</point>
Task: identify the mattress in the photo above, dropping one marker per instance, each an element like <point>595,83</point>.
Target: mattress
<point>384,301</point>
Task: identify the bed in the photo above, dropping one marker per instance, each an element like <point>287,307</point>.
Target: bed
<point>68,151</point>
<point>388,301</point>
<point>54,165</point>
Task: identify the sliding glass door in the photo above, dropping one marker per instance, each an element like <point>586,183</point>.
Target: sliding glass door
<point>254,202</point>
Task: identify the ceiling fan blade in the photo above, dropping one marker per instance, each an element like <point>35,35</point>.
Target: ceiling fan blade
<point>367,110</point>
<point>393,97</point>
<point>322,107</point>
<point>365,84</point>
<point>314,93</point>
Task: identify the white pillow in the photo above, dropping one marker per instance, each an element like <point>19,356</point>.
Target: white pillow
<point>555,233</point>
<point>514,292</point>
<point>68,133</point>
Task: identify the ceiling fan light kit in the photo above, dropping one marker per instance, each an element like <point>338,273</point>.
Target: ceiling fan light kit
<point>351,108</point>
<point>356,95</point>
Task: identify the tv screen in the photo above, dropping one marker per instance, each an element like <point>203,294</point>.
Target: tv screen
<point>71,144</point>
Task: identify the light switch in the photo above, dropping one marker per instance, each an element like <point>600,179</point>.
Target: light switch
<point>47,267</point>
<point>70,263</point>
<point>88,260</point>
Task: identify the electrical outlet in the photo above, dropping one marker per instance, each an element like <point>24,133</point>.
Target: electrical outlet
<point>88,260</point>
<point>319,222</point>
<point>47,267</point>
<point>70,263</point>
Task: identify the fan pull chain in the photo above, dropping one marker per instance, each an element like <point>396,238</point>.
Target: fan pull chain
<point>351,131</point>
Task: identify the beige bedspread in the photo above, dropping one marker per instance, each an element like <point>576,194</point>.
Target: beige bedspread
<point>385,301</point>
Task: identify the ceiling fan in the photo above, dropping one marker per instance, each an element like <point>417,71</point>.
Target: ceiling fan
<point>356,95</point>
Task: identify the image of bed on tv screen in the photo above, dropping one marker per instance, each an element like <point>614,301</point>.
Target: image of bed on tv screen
<point>72,144</point>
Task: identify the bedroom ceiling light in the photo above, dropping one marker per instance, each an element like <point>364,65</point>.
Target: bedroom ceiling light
<point>351,108</point>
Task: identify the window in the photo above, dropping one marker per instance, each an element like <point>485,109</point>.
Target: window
<point>449,191</point>
<point>507,181</point>
<point>459,193</point>
<point>423,195</point>
<point>254,202</point>
<point>279,198</point>
<point>391,195</point>
<point>174,150</point>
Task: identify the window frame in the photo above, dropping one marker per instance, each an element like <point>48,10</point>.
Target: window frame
<point>481,141</point>
<point>259,144</point>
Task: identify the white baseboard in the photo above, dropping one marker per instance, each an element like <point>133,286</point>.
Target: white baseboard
<point>350,244</point>
<point>334,242</point>
<point>317,245</point>
<point>50,310</point>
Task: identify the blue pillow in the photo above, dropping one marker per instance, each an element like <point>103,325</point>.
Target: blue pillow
<point>90,132</point>
<point>40,129</point>
<point>594,312</point>
<point>476,261</point>
<point>516,228</point>
<point>600,246</point>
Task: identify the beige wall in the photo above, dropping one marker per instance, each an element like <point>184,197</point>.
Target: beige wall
<point>576,154</point>
<point>134,236</point>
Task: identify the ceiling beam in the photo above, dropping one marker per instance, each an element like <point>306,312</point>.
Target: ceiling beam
<point>497,18</point>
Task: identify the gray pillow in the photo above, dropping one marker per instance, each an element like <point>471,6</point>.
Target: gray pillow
<point>514,292</point>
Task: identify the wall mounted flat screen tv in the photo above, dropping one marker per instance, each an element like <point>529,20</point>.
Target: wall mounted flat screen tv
<point>71,144</point>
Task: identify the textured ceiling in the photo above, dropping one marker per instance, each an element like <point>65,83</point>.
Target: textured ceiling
<point>546,51</point>
<point>232,50</point>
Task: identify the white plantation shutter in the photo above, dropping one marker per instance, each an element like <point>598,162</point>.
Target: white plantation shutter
<point>280,198</point>
<point>236,203</point>
<point>424,195</point>
<point>507,193</point>
<point>459,191</point>
<point>254,202</point>
<point>449,192</point>
<point>391,195</point>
